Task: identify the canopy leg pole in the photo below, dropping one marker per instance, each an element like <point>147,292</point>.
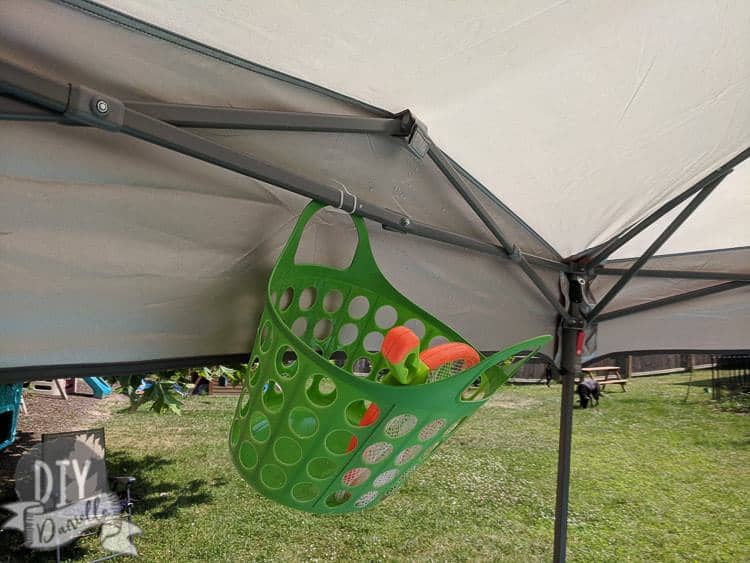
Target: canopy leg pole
<point>570,365</point>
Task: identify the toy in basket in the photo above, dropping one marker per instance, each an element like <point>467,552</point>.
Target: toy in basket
<point>305,432</point>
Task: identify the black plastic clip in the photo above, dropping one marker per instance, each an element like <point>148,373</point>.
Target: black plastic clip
<point>416,134</point>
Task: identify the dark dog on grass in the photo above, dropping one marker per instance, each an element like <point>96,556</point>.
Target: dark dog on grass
<point>589,390</point>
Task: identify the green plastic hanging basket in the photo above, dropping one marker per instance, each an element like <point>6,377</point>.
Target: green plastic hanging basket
<point>315,369</point>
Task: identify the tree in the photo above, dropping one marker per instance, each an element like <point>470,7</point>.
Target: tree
<point>165,391</point>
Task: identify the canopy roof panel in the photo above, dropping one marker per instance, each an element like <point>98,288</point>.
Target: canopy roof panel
<point>668,313</point>
<point>560,108</point>
<point>105,262</point>
<point>118,250</point>
<point>720,222</point>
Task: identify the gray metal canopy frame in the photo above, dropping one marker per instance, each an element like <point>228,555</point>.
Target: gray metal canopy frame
<point>512,250</point>
<point>672,274</point>
<point>596,256</point>
<point>197,117</point>
<point>687,296</point>
<point>654,246</point>
<point>83,106</point>
<point>33,97</point>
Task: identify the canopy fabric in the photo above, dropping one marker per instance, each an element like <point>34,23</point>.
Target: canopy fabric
<point>719,321</point>
<point>117,250</point>
<point>720,223</point>
<point>597,109</point>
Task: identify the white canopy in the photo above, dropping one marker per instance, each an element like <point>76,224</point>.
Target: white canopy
<point>603,110</point>
<point>569,123</point>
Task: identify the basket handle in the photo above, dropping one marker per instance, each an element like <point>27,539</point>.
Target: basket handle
<point>363,261</point>
<point>492,381</point>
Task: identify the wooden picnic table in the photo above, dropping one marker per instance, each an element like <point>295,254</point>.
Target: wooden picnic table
<point>605,375</point>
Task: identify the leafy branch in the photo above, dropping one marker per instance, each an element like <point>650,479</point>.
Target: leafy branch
<point>165,391</point>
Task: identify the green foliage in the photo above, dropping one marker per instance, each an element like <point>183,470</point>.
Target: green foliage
<point>234,376</point>
<point>164,391</point>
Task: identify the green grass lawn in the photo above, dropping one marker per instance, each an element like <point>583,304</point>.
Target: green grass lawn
<point>654,478</point>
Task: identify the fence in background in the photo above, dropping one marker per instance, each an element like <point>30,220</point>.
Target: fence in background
<point>730,374</point>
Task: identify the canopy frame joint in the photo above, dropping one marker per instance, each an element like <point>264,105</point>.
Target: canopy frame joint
<point>416,134</point>
<point>90,107</point>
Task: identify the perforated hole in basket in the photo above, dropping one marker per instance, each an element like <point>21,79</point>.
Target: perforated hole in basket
<point>272,396</point>
<point>359,413</point>
<point>356,476</point>
<point>234,435</point>
<point>400,425</point>
<point>381,374</point>
<point>320,390</point>
<point>366,499</point>
<point>362,367</point>
<point>303,422</point>
<point>332,301</point>
<point>287,451</point>
<point>305,492</point>
<point>408,454</point>
<point>338,498</point>
<point>299,326</point>
<point>386,316</point>
<point>253,371</point>
<point>260,427</point>
<point>373,342</point>
<point>348,334</point>
<point>266,336</point>
<point>437,341</point>
<point>244,402</point>
<point>339,441</point>
<point>430,430</point>
<point>322,329</point>
<point>321,468</point>
<point>376,452</point>
<point>385,477</point>
<point>358,307</point>
<point>286,361</point>
<point>286,299</point>
<point>248,455</point>
<point>272,476</point>
<point>416,326</point>
<point>338,358</point>
<point>307,298</point>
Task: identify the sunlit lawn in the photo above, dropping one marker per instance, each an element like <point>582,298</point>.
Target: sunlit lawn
<point>655,477</point>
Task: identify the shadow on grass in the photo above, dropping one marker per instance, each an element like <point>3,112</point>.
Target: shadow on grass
<point>159,498</point>
<point>13,550</point>
<point>706,382</point>
<point>9,459</point>
<point>153,495</point>
<point>12,541</point>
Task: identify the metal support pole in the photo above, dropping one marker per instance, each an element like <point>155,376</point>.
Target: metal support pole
<point>74,104</point>
<point>195,116</point>
<point>570,365</point>
<point>671,300</point>
<point>672,274</point>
